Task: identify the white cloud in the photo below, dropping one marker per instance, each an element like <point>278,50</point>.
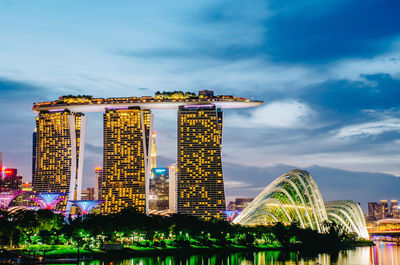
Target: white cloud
<point>232,184</point>
<point>277,114</point>
<point>369,128</point>
<point>388,62</point>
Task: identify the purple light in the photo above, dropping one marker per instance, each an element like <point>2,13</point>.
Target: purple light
<point>86,206</point>
<point>7,197</point>
<point>48,200</point>
<point>198,106</point>
<point>56,110</point>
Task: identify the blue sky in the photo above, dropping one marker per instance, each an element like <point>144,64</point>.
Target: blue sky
<point>328,71</point>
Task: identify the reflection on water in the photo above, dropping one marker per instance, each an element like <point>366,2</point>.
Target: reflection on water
<point>381,254</point>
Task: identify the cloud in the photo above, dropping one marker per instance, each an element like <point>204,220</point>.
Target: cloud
<point>370,128</point>
<point>277,114</point>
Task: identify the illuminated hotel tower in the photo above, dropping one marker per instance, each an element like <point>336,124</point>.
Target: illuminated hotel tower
<point>200,181</point>
<point>59,154</point>
<point>126,164</point>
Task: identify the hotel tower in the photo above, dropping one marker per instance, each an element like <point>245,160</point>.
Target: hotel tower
<point>59,154</point>
<point>200,181</point>
<point>128,151</point>
<point>126,159</point>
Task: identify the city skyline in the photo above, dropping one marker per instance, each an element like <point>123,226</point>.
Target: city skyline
<point>330,90</point>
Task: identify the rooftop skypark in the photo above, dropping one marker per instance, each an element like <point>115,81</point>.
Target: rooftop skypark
<point>161,100</point>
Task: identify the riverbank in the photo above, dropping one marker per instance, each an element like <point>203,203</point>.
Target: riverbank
<point>61,254</point>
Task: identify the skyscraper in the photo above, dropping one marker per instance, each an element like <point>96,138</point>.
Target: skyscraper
<point>126,159</point>
<point>59,154</point>
<point>159,190</point>
<point>172,188</point>
<point>98,178</point>
<point>1,160</point>
<point>200,180</point>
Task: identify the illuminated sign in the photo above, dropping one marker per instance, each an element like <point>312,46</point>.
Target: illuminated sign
<point>160,170</point>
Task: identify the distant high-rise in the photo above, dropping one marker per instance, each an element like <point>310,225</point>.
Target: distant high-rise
<point>385,208</point>
<point>59,154</point>
<point>159,190</point>
<point>153,153</point>
<point>1,160</point>
<point>172,175</point>
<point>374,210</point>
<point>126,165</point>
<point>9,179</point>
<point>200,180</point>
<point>98,178</point>
<point>394,209</point>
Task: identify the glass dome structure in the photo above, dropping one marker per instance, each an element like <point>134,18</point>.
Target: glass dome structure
<point>295,197</point>
<point>348,215</point>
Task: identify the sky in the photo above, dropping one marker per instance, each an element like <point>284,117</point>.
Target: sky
<point>327,71</point>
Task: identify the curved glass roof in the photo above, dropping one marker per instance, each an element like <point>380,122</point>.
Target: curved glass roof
<point>295,197</point>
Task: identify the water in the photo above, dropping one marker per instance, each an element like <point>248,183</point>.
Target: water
<point>381,254</point>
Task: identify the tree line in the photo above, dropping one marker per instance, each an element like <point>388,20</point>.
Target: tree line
<point>133,228</point>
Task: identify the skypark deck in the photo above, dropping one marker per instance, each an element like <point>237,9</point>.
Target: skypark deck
<point>160,101</point>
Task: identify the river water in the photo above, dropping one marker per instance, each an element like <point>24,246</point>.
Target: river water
<point>381,254</point>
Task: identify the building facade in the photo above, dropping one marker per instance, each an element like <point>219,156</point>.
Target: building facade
<point>126,160</point>
<point>200,180</point>
<point>59,154</point>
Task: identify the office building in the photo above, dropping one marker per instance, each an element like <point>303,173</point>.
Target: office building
<point>59,154</point>
<point>98,182</point>
<point>159,189</point>
<point>200,180</point>
<point>125,166</point>
<point>172,175</point>
<point>9,179</point>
